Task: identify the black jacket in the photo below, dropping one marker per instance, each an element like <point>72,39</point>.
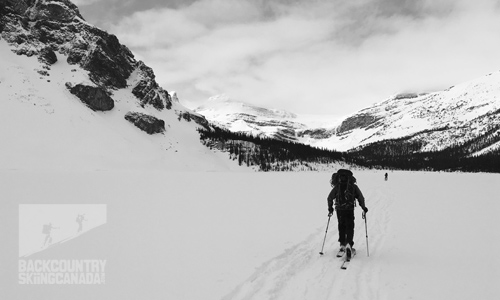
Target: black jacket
<point>357,195</point>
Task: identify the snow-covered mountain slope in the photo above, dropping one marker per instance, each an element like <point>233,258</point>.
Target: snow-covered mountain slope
<point>436,120</point>
<point>244,117</point>
<point>71,96</point>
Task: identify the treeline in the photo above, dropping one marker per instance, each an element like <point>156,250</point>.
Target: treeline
<point>398,154</point>
<point>404,154</point>
<point>266,153</point>
<point>431,161</point>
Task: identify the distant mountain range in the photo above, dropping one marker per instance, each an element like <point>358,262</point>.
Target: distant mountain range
<point>436,120</point>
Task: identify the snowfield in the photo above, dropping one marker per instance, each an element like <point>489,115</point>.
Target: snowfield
<point>245,235</point>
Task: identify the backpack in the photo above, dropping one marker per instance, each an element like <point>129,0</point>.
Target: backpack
<point>345,183</point>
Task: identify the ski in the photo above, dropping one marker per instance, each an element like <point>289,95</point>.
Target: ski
<point>344,265</point>
<point>340,253</point>
<point>347,260</point>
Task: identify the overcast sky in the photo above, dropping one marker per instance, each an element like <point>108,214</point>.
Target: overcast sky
<point>306,56</point>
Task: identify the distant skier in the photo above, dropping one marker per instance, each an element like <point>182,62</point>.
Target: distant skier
<point>344,192</point>
<point>386,176</point>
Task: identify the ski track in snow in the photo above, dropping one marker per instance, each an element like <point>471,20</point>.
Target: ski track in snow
<point>196,235</point>
<point>301,273</point>
<point>410,218</point>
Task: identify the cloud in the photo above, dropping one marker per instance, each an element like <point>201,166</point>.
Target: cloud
<point>317,55</point>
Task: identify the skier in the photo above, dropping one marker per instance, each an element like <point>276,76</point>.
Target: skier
<point>386,176</point>
<point>344,192</point>
<point>79,220</point>
<point>47,230</point>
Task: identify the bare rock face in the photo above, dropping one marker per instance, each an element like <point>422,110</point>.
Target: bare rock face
<point>198,119</point>
<point>47,56</point>
<point>109,64</point>
<point>317,133</point>
<point>357,121</point>
<point>95,98</point>
<point>149,91</point>
<point>33,26</point>
<point>40,27</point>
<point>146,123</point>
<point>18,6</point>
<point>53,29</point>
<point>60,10</point>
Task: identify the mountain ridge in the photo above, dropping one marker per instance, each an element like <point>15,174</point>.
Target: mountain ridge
<point>439,119</point>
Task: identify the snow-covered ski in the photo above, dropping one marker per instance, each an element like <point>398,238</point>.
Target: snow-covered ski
<point>347,260</point>
<point>341,253</point>
<point>345,263</point>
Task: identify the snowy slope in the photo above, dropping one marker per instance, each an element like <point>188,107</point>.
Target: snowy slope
<point>221,105</point>
<point>47,50</point>
<point>439,119</point>
<point>260,121</point>
<point>44,126</point>
<point>187,235</point>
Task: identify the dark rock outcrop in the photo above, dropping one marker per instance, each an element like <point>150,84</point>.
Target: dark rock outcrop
<point>51,29</point>
<point>47,56</point>
<point>317,133</point>
<point>285,134</point>
<point>406,96</point>
<point>357,121</point>
<point>108,62</point>
<point>17,6</point>
<point>148,90</point>
<point>146,123</point>
<point>95,98</point>
<point>60,10</point>
<point>197,118</point>
<point>33,26</point>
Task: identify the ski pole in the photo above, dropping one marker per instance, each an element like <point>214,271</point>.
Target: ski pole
<point>366,230</point>
<point>329,216</point>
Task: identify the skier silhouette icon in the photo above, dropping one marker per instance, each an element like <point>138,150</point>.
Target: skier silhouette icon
<point>79,220</point>
<point>47,230</point>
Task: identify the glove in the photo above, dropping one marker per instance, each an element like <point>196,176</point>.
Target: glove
<point>365,209</point>
<point>330,212</point>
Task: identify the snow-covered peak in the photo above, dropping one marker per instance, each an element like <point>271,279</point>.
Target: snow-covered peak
<point>240,116</point>
<point>174,96</point>
<point>219,98</point>
<point>436,120</point>
<point>224,105</point>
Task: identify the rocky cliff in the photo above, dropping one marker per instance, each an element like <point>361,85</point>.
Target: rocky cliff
<point>55,30</point>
